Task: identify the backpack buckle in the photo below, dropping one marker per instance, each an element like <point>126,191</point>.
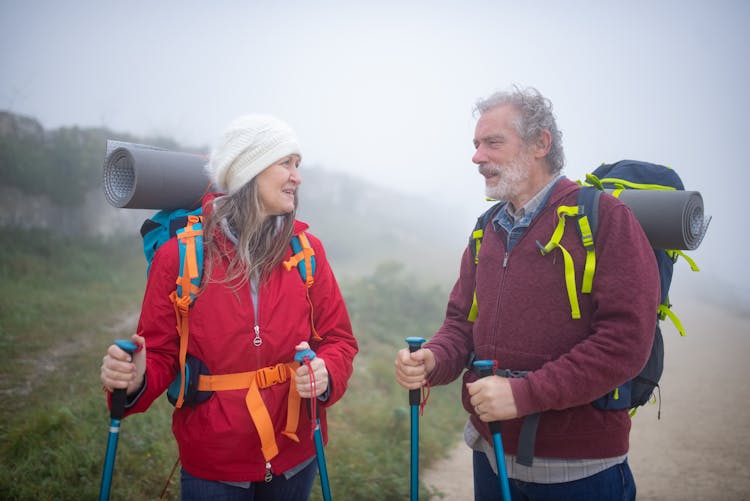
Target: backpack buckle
<point>269,376</point>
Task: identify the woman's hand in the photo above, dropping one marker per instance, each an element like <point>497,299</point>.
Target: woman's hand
<point>302,376</point>
<point>121,370</point>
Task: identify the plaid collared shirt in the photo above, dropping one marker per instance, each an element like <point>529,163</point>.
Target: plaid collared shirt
<point>515,221</point>
<point>544,470</point>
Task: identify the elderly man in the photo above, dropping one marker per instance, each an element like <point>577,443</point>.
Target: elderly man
<point>557,350</point>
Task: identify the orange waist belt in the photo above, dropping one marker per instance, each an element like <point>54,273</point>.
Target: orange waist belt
<point>254,381</point>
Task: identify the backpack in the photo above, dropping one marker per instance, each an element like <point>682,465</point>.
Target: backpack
<point>187,226</point>
<point>622,175</point>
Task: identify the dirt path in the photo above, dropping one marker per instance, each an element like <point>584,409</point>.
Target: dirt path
<point>38,366</point>
<point>451,478</point>
<point>700,448</point>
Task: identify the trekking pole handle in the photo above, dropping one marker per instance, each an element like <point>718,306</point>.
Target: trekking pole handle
<point>301,357</point>
<point>484,368</point>
<point>415,343</point>
<point>304,355</point>
<point>119,395</point>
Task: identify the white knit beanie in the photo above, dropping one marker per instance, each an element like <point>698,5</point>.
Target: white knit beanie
<point>247,146</point>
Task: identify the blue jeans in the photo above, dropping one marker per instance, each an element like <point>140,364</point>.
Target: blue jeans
<point>615,483</point>
<point>280,488</point>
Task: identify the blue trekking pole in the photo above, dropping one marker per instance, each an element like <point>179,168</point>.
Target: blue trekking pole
<point>414,343</point>
<point>487,368</point>
<point>304,357</point>
<point>117,409</point>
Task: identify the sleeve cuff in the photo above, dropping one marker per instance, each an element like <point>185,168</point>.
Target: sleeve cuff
<point>133,399</point>
<point>326,394</point>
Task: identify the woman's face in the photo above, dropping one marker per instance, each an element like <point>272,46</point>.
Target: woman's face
<point>277,186</point>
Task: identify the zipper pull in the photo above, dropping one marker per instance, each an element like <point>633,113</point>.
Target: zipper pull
<point>269,475</point>
<point>257,341</point>
<point>505,260</point>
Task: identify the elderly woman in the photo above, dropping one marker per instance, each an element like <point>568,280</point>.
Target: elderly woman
<point>245,436</point>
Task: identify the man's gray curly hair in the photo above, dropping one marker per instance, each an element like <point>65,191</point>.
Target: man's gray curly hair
<point>535,115</point>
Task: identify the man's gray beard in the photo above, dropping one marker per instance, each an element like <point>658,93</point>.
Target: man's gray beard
<point>508,185</point>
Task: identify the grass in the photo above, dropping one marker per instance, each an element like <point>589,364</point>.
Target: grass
<point>54,288</point>
<point>59,299</point>
<point>60,302</point>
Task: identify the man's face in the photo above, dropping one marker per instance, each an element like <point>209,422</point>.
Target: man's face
<point>501,154</point>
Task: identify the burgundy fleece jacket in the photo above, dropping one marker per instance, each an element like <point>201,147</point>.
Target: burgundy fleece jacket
<point>525,323</point>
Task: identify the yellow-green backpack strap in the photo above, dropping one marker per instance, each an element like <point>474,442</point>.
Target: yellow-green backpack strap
<point>622,183</point>
<point>475,243</point>
<point>588,220</point>
<point>564,211</point>
<point>476,236</point>
<point>474,311</point>
<point>674,254</point>
<point>587,238</point>
<point>664,311</point>
<point>594,181</point>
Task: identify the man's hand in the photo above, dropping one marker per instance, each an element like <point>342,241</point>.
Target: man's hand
<point>412,368</point>
<point>492,399</point>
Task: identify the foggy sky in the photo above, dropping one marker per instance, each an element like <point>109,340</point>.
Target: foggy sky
<point>385,91</point>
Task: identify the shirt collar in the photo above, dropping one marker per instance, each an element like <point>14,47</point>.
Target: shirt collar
<point>533,204</point>
<point>508,218</point>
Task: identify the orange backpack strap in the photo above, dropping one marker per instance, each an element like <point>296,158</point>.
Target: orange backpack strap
<point>255,381</point>
<point>190,244</point>
<point>303,258</point>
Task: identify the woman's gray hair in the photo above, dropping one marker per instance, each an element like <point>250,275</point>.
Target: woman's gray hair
<point>260,242</point>
<point>535,115</point>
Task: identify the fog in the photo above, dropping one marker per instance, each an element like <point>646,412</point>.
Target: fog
<point>385,91</point>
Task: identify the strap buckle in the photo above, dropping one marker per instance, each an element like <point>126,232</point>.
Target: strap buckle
<point>269,376</point>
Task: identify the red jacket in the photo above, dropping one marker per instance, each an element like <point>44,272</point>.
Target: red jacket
<point>217,438</point>
<point>525,323</point>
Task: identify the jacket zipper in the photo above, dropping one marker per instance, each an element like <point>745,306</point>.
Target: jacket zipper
<point>257,341</point>
<point>254,298</point>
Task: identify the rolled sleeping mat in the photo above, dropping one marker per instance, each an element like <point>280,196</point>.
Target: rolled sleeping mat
<point>138,176</point>
<point>670,219</point>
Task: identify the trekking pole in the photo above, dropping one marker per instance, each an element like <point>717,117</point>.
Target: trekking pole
<point>487,368</point>
<point>305,357</point>
<point>414,343</point>
<point>117,409</point>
